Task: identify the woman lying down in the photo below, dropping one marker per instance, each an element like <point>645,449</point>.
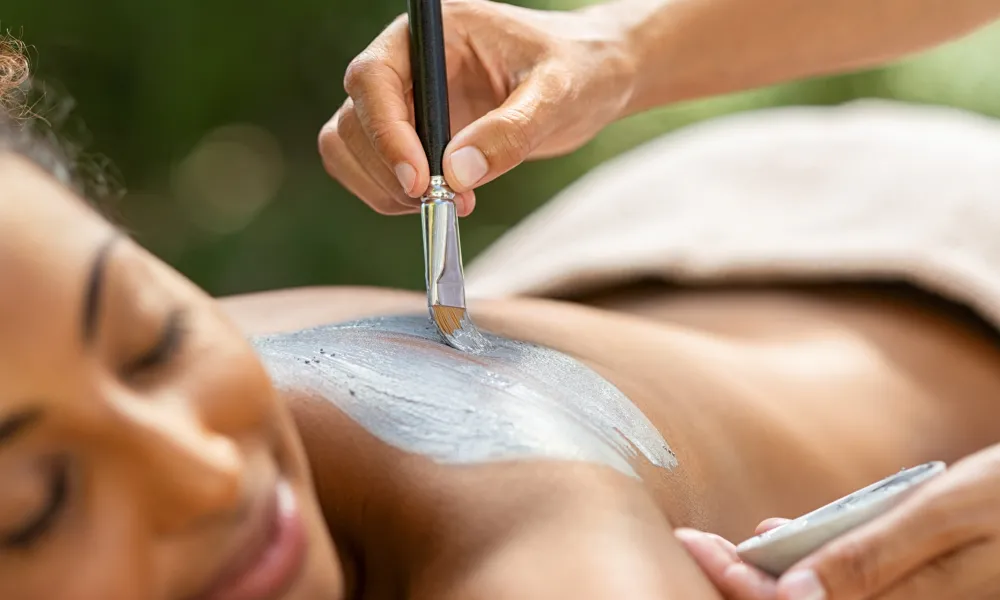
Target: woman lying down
<point>149,451</point>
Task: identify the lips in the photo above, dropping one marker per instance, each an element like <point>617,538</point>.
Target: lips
<point>273,559</point>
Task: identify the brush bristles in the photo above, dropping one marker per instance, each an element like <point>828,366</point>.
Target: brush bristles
<point>448,318</point>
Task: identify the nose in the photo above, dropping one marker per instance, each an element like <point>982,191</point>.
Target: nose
<point>189,473</point>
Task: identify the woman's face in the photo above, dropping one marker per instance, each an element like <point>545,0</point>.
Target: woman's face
<point>143,452</point>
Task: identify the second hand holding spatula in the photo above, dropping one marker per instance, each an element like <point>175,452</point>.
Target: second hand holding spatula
<point>442,249</point>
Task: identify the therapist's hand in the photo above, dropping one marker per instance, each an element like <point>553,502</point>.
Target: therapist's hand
<point>942,542</point>
<point>523,84</point>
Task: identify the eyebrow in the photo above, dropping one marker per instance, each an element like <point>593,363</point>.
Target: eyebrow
<point>15,424</point>
<point>95,285</point>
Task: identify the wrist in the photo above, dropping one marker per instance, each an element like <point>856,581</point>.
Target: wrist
<point>628,24</point>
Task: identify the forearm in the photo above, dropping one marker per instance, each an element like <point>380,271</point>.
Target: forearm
<point>685,49</point>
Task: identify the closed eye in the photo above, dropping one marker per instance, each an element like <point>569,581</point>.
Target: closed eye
<point>39,525</point>
<point>166,347</point>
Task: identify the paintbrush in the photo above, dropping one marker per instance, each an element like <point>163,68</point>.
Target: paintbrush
<point>442,248</point>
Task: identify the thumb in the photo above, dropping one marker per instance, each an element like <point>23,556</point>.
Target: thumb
<point>501,139</point>
<point>864,563</point>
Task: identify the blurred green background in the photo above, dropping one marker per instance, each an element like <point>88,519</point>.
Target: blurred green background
<point>210,111</point>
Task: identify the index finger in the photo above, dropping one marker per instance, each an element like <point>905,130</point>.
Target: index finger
<point>378,81</point>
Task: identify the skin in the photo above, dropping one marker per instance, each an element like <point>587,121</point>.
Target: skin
<point>755,435</point>
<point>941,543</point>
<point>528,84</point>
<point>168,465</point>
<point>165,461</point>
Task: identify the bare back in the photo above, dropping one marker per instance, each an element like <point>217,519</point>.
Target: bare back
<point>774,401</point>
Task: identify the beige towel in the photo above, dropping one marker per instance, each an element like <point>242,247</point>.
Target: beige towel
<point>866,190</point>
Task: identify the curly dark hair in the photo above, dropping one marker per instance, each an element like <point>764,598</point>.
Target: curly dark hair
<point>27,131</point>
<point>13,72</point>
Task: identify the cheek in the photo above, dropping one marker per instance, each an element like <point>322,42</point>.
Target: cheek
<point>121,561</point>
<point>100,549</point>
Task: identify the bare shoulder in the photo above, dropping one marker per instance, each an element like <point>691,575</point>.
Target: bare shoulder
<point>298,308</point>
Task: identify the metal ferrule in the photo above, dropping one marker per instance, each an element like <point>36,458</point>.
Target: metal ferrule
<point>442,248</point>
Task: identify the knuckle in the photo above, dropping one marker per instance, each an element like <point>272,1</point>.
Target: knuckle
<point>857,562</point>
<point>331,149</point>
<point>453,5</point>
<point>358,72</point>
<point>327,139</point>
<point>333,165</point>
<point>401,20</point>
<point>347,122</point>
<point>467,9</point>
<point>382,137</point>
<point>516,135</point>
<point>558,84</point>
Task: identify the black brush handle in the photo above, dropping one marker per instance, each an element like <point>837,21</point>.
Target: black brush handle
<point>430,79</point>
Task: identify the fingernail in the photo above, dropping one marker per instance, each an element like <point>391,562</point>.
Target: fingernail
<point>469,165</point>
<point>801,585</point>
<point>406,176</point>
